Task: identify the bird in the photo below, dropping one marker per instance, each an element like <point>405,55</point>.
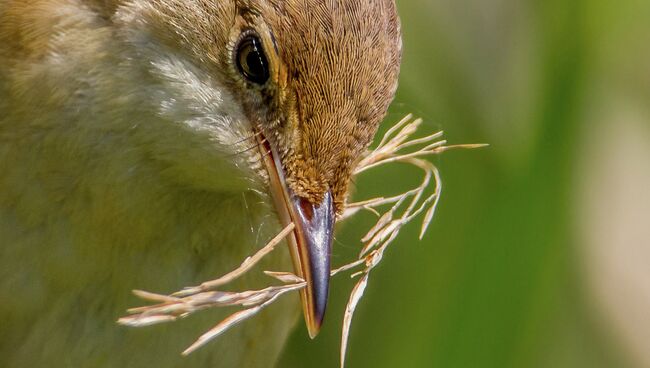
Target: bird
<point>154,144</point>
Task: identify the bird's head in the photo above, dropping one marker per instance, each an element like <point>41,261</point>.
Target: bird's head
<point>285,95</point>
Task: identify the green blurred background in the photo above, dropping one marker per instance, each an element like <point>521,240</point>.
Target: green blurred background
<point>539,254</point>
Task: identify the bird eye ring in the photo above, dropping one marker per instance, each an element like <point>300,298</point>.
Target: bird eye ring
<point>251,61</point>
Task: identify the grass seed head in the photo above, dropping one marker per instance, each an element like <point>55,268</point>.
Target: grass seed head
<point>393,213</point>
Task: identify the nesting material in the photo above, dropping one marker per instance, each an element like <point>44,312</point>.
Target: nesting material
<point>393,212</point>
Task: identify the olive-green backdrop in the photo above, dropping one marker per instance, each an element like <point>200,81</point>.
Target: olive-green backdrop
<point>498,281</point>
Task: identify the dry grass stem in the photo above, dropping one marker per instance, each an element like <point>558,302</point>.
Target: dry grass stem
<point>355,296</point>
<point>393,212</point>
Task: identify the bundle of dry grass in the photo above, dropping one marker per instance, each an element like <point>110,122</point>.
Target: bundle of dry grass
<point>396,146</point>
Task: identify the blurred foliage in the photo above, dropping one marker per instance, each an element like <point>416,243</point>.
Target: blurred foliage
<point>496,282</point>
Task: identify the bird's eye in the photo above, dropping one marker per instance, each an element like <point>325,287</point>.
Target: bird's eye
<point>251,61</point>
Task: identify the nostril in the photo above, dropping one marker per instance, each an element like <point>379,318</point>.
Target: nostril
<point>307,209</point>
<point>313,213</point>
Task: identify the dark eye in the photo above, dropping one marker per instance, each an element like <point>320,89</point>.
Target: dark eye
<point>251,61</point>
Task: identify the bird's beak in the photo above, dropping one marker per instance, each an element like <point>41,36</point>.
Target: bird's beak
<point>311,241</point>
